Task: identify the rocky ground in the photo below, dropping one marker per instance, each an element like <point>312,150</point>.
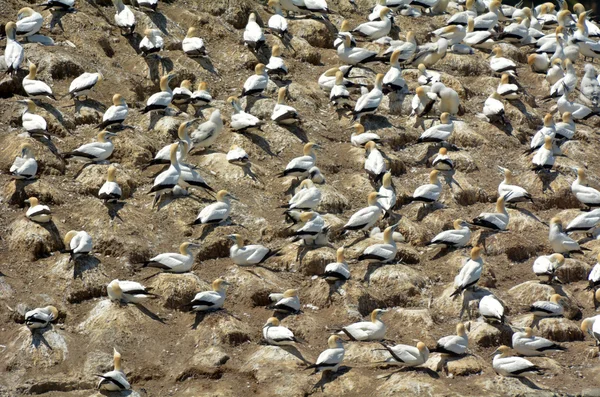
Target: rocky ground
<point>170,352</point>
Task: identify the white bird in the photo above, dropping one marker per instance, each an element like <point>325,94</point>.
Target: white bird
<point>489,20</point>
<point>382,253</point>
<point>241,121</point>
<point>494,220</point>
<point>430,53</point>
<point>237,155</point>
<point>37,212</point>
<point>276,65</point>
<point>327,80</point>
<point>527,344</point>
<point>193,46</point>
<point>201,97</point>
<point>84,84</point>
<point>63,5</point>
<point>110,190</point>
<point>128,292</point>
<point>567,83</point>
<point>457,237</point>
<point>182,95</point>
<point>374,162</point>
<point>393,80</point>
<point>422,103</point>
<point>449,101</point>
<point>351,55</point>
<point>555,72</point>
<point>360,137</point>
<point>29,22</point>
<point>591,326</point>
<point>407,48</point>
<point>442,162</point>
<point>511,192</point>
<point>387,194</point>
<point>313,228</point>
<point>375,12</point>
<point>114,380</point>
<point>315,175</point>
<point>453,33</point>
<point>36,88</point>
<point>439,133</point>
<point>549,129</point>
<point>470,272</point>
<point>150,4</point>
<point>366,330</point>
<point>566,128</point>
<point>365,218</point>
<point>300,166</point>
<point>124,18</point>
<point>369,102</point>
<point>216,212</point>
<point>166,181</point>
<point>173,262</point>
<point>374,30</point>
<point>162,99</point>
<point>330,359</point>
<point>493,109</point>
<point>210,300</point>
<point>288,302</point>
<point>507,90</point>
<point>345,31</point>
<point>427,77</point>
<point>544,158</point>
<point>461,18</point>
<point>586,194</point>
<point>590,86</point>
<point>242,254</point>
<point>577,110</point>
<point>152,42</point>
<point>163,156</point>
<point>406,355</point>
<point>339,269</point>
<point>545,267</point>
<point>253,34</point>
<point>189,177</point>
<point>277,23</point>
<point>13,52</point>
<point>307,197</point>
<point>313,6</point>
<point>282,113</point>
<point>339,95</point>
<point>97,151</point>
<point>24,166</point>
<point>511,366</point>
<point>208,132</point>
<point>429,192</point>
<point>500,64</point>
<point>278,335</point>
<point>586,222</point>
<point>491,308</point>
<point>482,39</point>
<point>256,83</point>
<point>455,345</point>
<point>40,317</point>
<point>116,114</point>
<point>539,63</point>
<point>551,308</point>
<point>587,47</point>
<point>559,241</point>
<point>78,243</point>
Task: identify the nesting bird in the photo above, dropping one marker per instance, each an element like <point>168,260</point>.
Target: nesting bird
<point>287,303</point>
<point>210,300</point>
<point>300,166</point>
<point>241,121</point>
<point>337,270</point>
<point>40,317</point>
<point>365,218</point>
<point>242,254</point>
<point>527,344</point>
<point>78,243</point>
<point>491,308</point>
<point>124,18</point>
<point>430,192</point>
<point>330,359</point>
<point>152,43</point>
<point>36,88</point>
<point>253,34</point>
<point>13,53</point>
<point>128,292</point>
<point>173,262</point>
<point>282,113</point>
<point>455,345</point>
<point>307,198</point>
<point>193,46</point>
<point>182,95</point>
<point>369,102</point>
<point>37,212</point>
<point>217,212</point>
<point>276,334</point>
<point>455,238</point>
<point>498,220</point>
<point>511,366</point>
<point>551,308</point>
<point>162,99</point>
<point>366,330</point>
<point>559,241</point>
<point>586,194</point>
<point>470,272</point>
<point>116,114</point>
<point>545,267</point>
<point>84,84</point>
<point>114,380</point>
<point>25,166</point>
<point>256,83</point>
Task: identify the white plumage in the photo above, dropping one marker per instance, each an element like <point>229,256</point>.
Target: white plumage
<point>174,262</point>
<point>586,194</point>
<point>429,192</point>
<point>507,90</point>
<point>374,30</point>
<point>299,166</point>
<point>442,162</point>
<point>253,34</point>
<point>127,291</point>
<point>237,155</point>
<point>545,266</point>
<point>240,120</point>
<point>511,192</point>
<point>585,222</point>
<point>116,114</point>
<point>559,241</point>
<point>37,212</point>
<point>470,272</point>
<point>406,355</point>
<point>374,163</point>
<point>256,84</point>
<point>527,344</point>
<point>192,45</point>
<point>544,157</point>
<point>338,270</point>
<point>365,218</point>
<point>366,330</point>
<point>84,84</point>
<point>78,242</point>
<point>24,166</point>
<point>491,308</point>
<point>494,220</point>
<point>276,65</point>
<point>282,113</point>
<point>29,22</point>
<point>152,42</point>
<point>216,212</point>
<point>385,252</point>
<point>457,237</point>
<point>13,52</point>
<point>288,302</point>
<point>454,344</point>
<point>313,228</point>
<point>275,334</point>
<point>331,358</point>
<point>369,102</point>
<point>307,198</point>
<point>247,254</point>
<point>124,18</point>
<point>100,150</point>
<point>511,366</point>
<point>210,300</point>
<point>352,55</point>
<point>207,133</point>
<point>166,181</point>
<point>551,308</point>
<point>440,132</point>
<point>36,88</point>
<point>40,317</point>
<point>162,99</point>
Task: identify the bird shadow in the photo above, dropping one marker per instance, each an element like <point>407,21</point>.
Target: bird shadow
<point>547,177</point>
<point>371,267</point>
<point>134,41</point>
<point>57,17</point>
<point>529,383</point>
<point>160,21</point>
<point>90,103</point>
<point>520,106</point>
<point>293,350</point>
<point>328,377</point>
<point>122,393</point>
<point>206,64</point>
<point>113,209</point>
<point>297,131</point>
<point>149,313</point>
<point>200,316</point>
<point>52,147</point>
<point>260,142</point>
<point>426,371</point>
<point>38,339</point>
<point>530,215</point>
<point>84,263</point>
<point>57,114</point>
<point>155,117</point>
<point>375,121</point>
<point>428,209</point>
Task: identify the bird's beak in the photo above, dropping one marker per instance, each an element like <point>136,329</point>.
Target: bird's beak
<point>111,134</point>
<point>231,196</point>
<point>395,225</point>
<point>231,236</point>
<point>494,353</point>
<point>24,102</point>
<point>225,283</point>
<point>27,201</point>
<point>318,147</point>
<point>194,245</point>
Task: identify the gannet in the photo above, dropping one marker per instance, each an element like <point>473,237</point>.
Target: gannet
<point>307,197</point>
<point>427,77</point>
<point>206,133</point>
<point>40,317</point>
<point>116,114</point>
<point>288,302</point>
<point>114,380</point>
<point>406,355</point>
<point>331,358</point>
<point>365,218</point>
<point>376,11</point>
<point>162,99</point>
<point>241,121</point>
<point>489,20</point>
<point>430,53</point>
<point>499,64</point>
<point>374,30</point>
<point>110,190</point>
<point>13,53</point>
<point>507,90</point>
<point>511,192</point>
<point>361,138</point>
<point>339,95</point>
<point>366,330</point>
<point>387,193</point>
<point>24,166</point>
<point>343,32</point>
<point>248,254</point>
<point>382,253</point>
<point>277,23</point>
<point>527,344</point>
<point>36,88</point>
<point>128,291</point>
<point>586,222</point>
<point>327,80</point>
<point>312,229</point>
<point>282,113</point>
<point>313,6</point>
<point>560,242</point>
<point>449,101</point>
<point>278,335</point>
<point>353,55</point>
<point>461,18</point>
<point>63,5</point>
<point>166,181</point>
<point>150,4</point>
<point>182,94</point>
<point>457,237</point>
<point>407,48</point>
<point>253,34</point>
<point>565,84</point>
<point>422,102</point>
<point>374,162</point>
<point>453,33</point>
<point>494,220</point>
<point>555,72</point>
<point>586,194</point>
<point>482,39</point>
<point>493,109</point>
<point>566,128</point>
<point>339,269</point>
<point>549,129</point>
<point>299,166</point>
<point>84,84</point>
<point>591,29</point>
<point>429,192</point>
<point>393,81</point>
<point>544,158</point>
<point>256,83</point>
<point>29,22</point>
<point>210,300</point>
<point>369,102</point>
<point>438,133</point>
<point>78,243</point>
<point>173,262</point>
<point>512,366</point>
<point>442,162</point>
<point>470,272</point>
<point>201,97</point>
<point>551,308</point>
<point>539,63</point>
<point>237,155</point>
<point>193,46</point>
<point>37,212</point>
<point>591,326</point>
<point>276,66</point>
<point>189,177</point>
<point>152,42</point>
<point>34,124</point>
<point>545,267</point>
<point>590,86</point>
<point>587,47</point>
<point>491,308</point>
<point>455,345</point>
<point>124,18</point>
<point>577,110</point>
<point>163,156</point>
<point>315,175</point>
<point>97,151</point>
<point>216,212</point>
